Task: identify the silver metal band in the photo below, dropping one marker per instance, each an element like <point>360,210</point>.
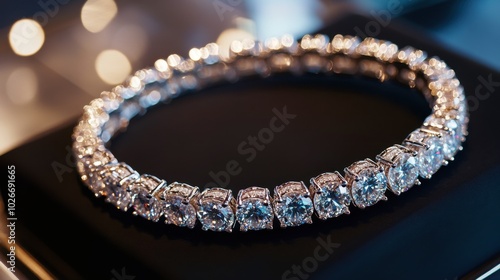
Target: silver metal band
<point>329,195</point>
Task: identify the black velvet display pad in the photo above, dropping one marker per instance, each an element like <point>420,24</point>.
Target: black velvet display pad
<point>443,229</point>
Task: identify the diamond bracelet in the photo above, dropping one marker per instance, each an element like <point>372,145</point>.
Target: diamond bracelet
<point>329,195</point>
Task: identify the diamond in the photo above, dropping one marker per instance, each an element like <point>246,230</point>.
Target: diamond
<point>404,174</point>
<point>429,146</point>
<point>331,197</point>
<point>179,204</point>
<point>451,131</point>
<point>86,146</point>
<point>143,202</point>
<point>87,165</point>
<point>214,216</point>
<point>367,183</point>
<point>292,204</point>
<point>431,158</point>
<point>254,211</point>
<point>112,181</point>
<point>179,213</point>
<point>145,205</point>
<point>216,207</point>
<point>401,168</point>
<point>117,194</point>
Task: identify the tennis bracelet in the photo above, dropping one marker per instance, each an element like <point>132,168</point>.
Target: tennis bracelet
<point>329,195</point>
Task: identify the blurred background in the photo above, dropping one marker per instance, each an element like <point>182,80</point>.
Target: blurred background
<point>57,55</point>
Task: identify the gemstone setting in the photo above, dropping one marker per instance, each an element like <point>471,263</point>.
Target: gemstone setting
<point>216,208</point>
<point>87,166</point>
<point>330,195</point>
<point>367,182</point>
<point>254,210</point>
<point>401,168</point>
<point>112,181</point>
<point>292,204</point>
<point>429,146</point>
<point>144,202</point>
<point>451,131</point>
<point>179,204</point>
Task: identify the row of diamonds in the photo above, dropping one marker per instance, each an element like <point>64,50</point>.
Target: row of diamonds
<point>329,195</point>
<point>365,182</point>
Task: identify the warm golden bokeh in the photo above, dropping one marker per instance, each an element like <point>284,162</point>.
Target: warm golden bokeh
<point>26,37</point>
<point>112,66</point>
<point>97,14</point>
<point>22,86</point>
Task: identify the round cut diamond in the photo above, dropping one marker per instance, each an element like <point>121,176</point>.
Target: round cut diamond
<point>252,214</point>
<point>116,193</point>
<point>145,205</point>
<point>369,187</point>
<point>112,181</point>
<point>431,157</point>
<point>332,201</point>
<point>294,210</point>
<point>404,174</point>
<point>214,216</point>
<point>452,133</point>
<point>179,213</point>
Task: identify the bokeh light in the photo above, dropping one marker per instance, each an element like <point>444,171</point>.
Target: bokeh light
<point>112,66</point>
<point>26,37</point>
<point>228,36</point>
<point>22,86</point>
<point>97,14</point>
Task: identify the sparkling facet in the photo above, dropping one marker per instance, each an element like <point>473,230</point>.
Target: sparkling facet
<point>87,165</point>
<point>451,131</point>
<point>369,188</point>
<point>145,205</point>
<point>214,216</point>
<point>179,204</point>
<point>430,159</point>
<point>404,174</point>
<point>112,181</point>
<point>116,193</point>
<point>179,213</point>
<point>294,210</point>
<point>253,214</point>
<point>332,201</point>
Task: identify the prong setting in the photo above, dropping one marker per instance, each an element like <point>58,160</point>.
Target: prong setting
<point>114,179</point>
<point>330,195</point>
<point>400,166</point>
<point>254,210</point>
<point>292,204</point>
<point>216,209</point>
<point>367,183</point>
<point>430,153</point>
<point>144,203</point>
<point>179,204</point>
